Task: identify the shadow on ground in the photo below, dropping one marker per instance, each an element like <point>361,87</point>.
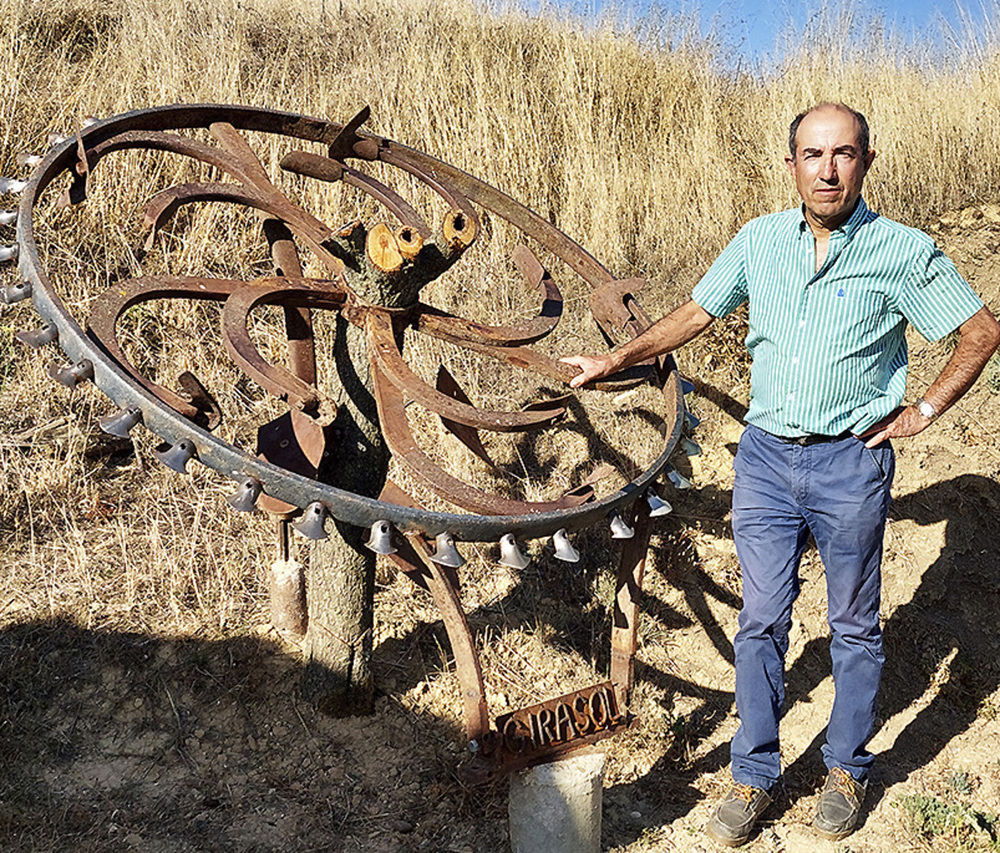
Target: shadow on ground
<point>122,741</point>
<point>943,642</point>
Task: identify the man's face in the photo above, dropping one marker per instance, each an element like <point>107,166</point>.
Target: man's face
<point>828,166</point>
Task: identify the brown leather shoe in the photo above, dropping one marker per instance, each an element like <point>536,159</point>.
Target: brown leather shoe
<point>839,805</point>
<point>734,817</point>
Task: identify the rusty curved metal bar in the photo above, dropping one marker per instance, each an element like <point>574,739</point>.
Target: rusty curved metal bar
<point>108,308</point>
<point>448,193</point>
<point>284,384</point>
<point>239,149</point>
<point>321,168</point>
<point>443,585</point>
<point>525,358</point>
<point>159,141</point>
<point>469,436</point>
<point>387,357</point>
<point>399,438</point>
<point>267,198</point>
<point>441,324</point>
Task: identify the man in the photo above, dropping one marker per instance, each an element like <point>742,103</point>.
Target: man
<point>830,288</point>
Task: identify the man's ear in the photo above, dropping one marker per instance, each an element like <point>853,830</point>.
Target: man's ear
<point>791,165</point>
<point>869,158</point>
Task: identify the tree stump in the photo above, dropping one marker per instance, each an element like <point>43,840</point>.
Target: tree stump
<point>389,269</point>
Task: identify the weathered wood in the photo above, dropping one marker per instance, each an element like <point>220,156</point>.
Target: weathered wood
<point>459,229</point>
<point>338,677</point>
<point>287,589</point>
<point>383,250</point>
<point>409,242</point>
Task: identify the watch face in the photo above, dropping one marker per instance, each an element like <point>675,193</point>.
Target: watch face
<point>926,409</point>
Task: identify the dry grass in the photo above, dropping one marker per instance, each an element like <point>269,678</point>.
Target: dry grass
<point>634,144</point>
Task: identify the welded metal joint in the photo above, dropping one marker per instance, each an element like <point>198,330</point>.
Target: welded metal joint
<point>564,549</point>
<point>511,554</point>
<point>312,523</point>
<point>47,333</point>
<point>657,506</point>
<point>619,529</point>
<point>244,499</point>
<point>445,553</point>
<point>380,538</point>
<point>11,186</point>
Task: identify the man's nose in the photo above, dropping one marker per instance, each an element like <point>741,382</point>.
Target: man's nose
<point>828,169</point>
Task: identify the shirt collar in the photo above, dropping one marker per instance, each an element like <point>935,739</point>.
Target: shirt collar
<point>859,217</point>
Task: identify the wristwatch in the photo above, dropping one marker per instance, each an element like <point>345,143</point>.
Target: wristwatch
<point>925,408</point>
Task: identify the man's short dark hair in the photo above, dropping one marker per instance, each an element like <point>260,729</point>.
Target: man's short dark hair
<point>864,138</point>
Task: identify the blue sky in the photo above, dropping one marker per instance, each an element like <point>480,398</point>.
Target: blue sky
<point>749,30</point>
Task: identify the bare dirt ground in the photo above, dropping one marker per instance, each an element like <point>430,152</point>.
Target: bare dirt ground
<point>127,740</point>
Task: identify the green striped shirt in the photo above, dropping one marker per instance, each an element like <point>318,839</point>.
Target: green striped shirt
<point>829,347</point>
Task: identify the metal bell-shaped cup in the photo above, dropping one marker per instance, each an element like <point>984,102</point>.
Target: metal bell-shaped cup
<point>8,217</point>
<point>16,292</point>
<point>510,553</point>
<point>687,386</point>
<point>28,161</point>
<point>619,529</point>
<point>244,499</point>
<point>657,506</point>
<point>678,480</point>
<point>8,253</point>
<point>176,457</point>
<point>71,375</point>
<point>691,420</point>
<point>445,553</point>
<point>380,538</point>
<point>121,423</point>
<point>690,446</point>
<point>564,548</point>
<point>311,525</point>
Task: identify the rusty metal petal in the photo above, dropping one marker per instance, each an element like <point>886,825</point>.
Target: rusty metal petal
<point>399,438</point>
<point>386,355</point>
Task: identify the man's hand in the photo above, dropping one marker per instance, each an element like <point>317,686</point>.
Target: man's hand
<point>978,338</point>
<point>901,423</point>
<point>591,368</point>
<point>667,334</point>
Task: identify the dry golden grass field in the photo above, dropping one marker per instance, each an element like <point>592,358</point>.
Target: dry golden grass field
<point>146,704</point>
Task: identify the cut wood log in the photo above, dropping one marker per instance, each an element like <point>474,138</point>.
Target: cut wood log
<point>409,242</point>
<point>459,229</point>
<point>383,250</point>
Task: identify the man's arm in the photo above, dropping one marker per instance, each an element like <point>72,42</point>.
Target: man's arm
<point>673,331</point>
<point>979,337</point>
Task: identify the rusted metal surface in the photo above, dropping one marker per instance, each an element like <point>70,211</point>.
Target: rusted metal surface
<point>625,610</point>
<point>543,732</point>
<point>283,473</point>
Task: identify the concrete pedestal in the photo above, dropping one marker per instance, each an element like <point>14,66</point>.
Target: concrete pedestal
<point>556,808</point>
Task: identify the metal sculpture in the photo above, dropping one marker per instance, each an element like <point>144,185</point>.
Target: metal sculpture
<point>283,473</point>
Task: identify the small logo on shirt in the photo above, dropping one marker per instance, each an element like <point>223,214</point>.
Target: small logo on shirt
<point>841,292</point>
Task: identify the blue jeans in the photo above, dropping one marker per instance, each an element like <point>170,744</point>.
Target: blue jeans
<point>838,491</point>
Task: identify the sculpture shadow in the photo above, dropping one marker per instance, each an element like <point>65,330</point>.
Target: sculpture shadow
<point>120,740</point>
